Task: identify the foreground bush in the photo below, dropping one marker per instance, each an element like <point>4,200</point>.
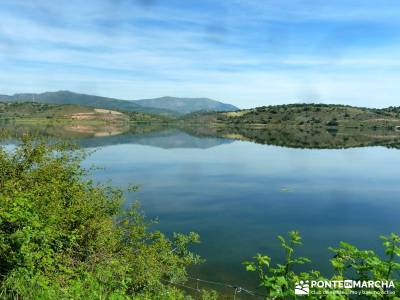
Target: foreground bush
<point>63,237</point>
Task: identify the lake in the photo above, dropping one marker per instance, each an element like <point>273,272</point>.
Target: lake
<point>240,195</point>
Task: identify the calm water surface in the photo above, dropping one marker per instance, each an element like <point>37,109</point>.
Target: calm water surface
<point>240,195</point>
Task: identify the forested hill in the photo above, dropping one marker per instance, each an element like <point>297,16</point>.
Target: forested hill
<point>304,115</point>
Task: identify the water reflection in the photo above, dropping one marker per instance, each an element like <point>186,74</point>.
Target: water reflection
<point>176,136</point>
<point>239,193</point>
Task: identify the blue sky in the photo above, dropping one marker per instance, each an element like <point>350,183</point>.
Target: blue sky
<point>248,53</point>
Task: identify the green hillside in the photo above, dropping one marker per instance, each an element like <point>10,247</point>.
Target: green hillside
<point>316,115</point>
<point>41,112</point>
<point>19,110</point>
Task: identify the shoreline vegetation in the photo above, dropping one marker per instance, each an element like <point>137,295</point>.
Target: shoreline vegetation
<point>64,237</point>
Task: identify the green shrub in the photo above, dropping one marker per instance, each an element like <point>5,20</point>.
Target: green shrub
<point>64,237</point>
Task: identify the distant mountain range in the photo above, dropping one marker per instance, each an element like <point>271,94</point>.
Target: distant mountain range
<point>169,106</point>
<point>186,105</point>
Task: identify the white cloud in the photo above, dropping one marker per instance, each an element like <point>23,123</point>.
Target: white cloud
<point>130,52</point>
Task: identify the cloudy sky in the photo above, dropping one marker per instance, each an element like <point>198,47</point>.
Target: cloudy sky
<point>248,53</point>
